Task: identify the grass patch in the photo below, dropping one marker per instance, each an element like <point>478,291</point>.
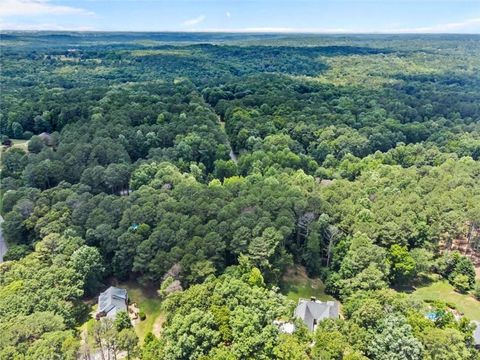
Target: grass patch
<point>296,284</point>
<point>148,301</point>
<point>86,329</point>
<point>20,143</point>
<point>158,324</point>
<point>442,290</point>
<point>16,144</point>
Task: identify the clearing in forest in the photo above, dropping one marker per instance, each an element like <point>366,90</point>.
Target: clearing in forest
<point>297,284</point>
<point>149,302</point>
<point>442,290</point>
<point>16,144</point>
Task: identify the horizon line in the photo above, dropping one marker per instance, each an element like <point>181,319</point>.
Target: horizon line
<point>278,32</point>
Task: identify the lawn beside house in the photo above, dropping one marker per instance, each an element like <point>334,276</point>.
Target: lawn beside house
<point>442,290</point>
<point>148,301</point>
<point>296,284</point>
<point>86,329</point>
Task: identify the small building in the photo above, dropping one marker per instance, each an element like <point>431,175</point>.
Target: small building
<point>46,138</point>
<point>313,311</point>
<point>476,334</point>
<point>112,301</point>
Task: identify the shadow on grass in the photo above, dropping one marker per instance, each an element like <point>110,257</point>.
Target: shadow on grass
<point>84,312</point>
<point>296,284</point>
<point>422,281</point>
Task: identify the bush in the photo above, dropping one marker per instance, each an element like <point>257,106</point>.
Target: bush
<point>149,337</point>
<point>6,141</point>
<point>453,264</point>
<point>142,315</point>
<point>461,283</point>
<point>451,305</point>
<point>122,321</point>
<point>465,267</point>
<point>476,290</point>
<point>16,252</point>
<point>35,145</point>
<point>163,287</point>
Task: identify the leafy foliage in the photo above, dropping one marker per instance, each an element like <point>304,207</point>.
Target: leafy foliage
<point>218,166</point>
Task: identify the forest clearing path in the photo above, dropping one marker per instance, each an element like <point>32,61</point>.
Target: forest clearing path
<point>232,154</point>
<point>3,243</point>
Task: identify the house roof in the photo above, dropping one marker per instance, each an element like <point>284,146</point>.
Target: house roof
<point>313,311</point>
<point>46,137</point>
<point>476,333</point>
<point>112,301</point>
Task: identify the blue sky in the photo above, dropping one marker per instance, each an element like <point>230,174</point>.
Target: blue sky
<point>323,16</point>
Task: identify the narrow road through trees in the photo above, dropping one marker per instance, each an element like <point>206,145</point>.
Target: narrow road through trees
<point>3,244</point>
<point>232,154</point>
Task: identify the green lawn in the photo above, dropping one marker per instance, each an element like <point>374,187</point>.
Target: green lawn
<point>86,329</point>
<point>16,143</point>
<point>442,290</point>
<point>296,284</point>
<point>148,302</point>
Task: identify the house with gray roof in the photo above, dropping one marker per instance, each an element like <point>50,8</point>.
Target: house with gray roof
<point>313,311</point>
<point>46,138</point>
<point>112,301</point>
<point>476,334</point>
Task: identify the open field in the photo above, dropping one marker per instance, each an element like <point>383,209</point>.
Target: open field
<point>442,290</point>
<point>148,302</point>
<point>86,329</point>
<point>16,143</point>
<point>296,284</point>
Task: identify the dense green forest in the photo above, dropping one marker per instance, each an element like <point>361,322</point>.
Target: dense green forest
<point>219,162</point>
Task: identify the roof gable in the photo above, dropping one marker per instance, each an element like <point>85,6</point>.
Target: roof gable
<point>112,300</point>
<point>314,311</point>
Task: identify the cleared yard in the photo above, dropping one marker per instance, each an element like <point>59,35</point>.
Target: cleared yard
<point>86,329</point>
<point>148,302</point>
<point>18,144</point>
<point>442,290</point>
<point>296,284</point>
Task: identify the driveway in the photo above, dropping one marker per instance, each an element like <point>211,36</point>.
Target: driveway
<point>3,244</point>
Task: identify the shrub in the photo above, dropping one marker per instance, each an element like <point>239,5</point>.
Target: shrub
<point>6,141</point>
<point>465,267</point>
<point>142,315</point>
<point>16,252</point>
<point>122,321</point>
<point>451,305</point>
<point>461,283</point>
<point>35,144</point>
<point>476,291</point>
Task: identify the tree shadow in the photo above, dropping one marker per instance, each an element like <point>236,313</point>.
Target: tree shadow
<point>423,280</point>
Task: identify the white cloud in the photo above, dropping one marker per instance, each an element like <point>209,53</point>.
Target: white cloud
<point>468,25</point>
<point>227,14</point>
<point>194,21</point>
<point>44,26</point>
<point>282,30</point>
<point>37,7</point>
